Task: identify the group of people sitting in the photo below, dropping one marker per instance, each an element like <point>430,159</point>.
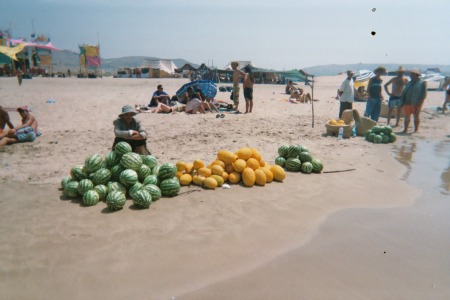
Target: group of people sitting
<point>297,94</point>
<point>191,102</point>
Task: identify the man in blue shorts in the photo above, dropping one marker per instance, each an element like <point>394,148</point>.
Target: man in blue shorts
<point>395,98</point>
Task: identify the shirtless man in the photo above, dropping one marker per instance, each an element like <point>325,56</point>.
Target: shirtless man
<point>249,81</point>
<point>237,75</point>
<point>395,101</point>
<point>4,120</point>
<point>24,133</point>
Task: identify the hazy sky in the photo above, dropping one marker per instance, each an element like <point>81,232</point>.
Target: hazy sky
<point>280,34</point>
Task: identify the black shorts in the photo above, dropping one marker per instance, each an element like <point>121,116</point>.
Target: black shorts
<point>248,93</point>
<point>133,143</point>
<point>448,92</point>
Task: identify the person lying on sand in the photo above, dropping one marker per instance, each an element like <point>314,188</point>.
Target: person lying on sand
<point>128,129</point>
<point>300,96</point>
<point>4,120</point>
<point>174,107</point>
<point>24,133</point>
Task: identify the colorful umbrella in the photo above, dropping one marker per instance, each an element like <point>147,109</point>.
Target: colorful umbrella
<point>207,87</point>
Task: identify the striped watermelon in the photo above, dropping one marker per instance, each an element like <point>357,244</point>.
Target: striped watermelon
<point>317,165</point>
<point>128,177</point>
<point>154,191</point>
<point>115,172</point>
<point>78,172</point>
<point>71,189</point>
<point>283,151</point>
<point>155,170</point>
<point>131,161</point>
<point>122,147</point>
<point>170,187</point>
<point>142,199</point>
<point>93,163</point>
<point>293,164</point>
<point>280,160</point>
<point>101,176</point>
<point>143,172</point>
<point>392,137</point>
<point>90,198</point>
<point>149,160</point>
<point>115,186</point>
<point>166,171</point>
<point>102,191</point>
<point>293,151</point>
<point>65,181</point>
<point>115,200</point>
<point>304,149</point>
<point>151,179</point>
<point>305,157</point>
<point>85,185</point>
<point>134,188</point>
<point>112,159</point>
<point>307,167</point>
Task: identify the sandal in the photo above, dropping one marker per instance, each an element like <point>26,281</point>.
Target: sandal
<point>222,115</point>
<point>217,116</point>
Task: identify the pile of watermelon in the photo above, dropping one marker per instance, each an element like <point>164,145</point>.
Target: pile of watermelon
<point>297,158</point>
<point>380,134</point>
<point>120,173</point>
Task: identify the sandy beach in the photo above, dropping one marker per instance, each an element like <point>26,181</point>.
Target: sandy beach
<point>310,237</point>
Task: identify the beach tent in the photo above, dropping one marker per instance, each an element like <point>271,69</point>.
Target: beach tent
<point>12,52</point>
<point>165,65</point>
<point>242,64</point>
<point>90,60</point>
<point>361,78</point>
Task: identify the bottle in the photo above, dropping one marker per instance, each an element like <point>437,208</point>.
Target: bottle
<point>341,133</point>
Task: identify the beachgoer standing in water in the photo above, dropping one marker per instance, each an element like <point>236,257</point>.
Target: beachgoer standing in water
<point>249,81</point>
<point>395,98</point>
<point>237,75</point>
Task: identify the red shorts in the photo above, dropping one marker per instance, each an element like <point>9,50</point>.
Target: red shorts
<point>411,109</point>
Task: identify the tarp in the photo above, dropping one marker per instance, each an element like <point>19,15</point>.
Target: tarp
<point>12,51</point>
<point>165,65</point>
<point>92,51</point>
<point>207,87</point>
<point>93,61</point>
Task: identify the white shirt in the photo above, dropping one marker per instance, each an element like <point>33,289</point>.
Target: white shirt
<point>347,88</point>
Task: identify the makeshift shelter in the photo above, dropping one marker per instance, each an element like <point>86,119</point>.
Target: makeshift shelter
<point>90,61</point>
<point>362,77</point>
<point>163,67</point>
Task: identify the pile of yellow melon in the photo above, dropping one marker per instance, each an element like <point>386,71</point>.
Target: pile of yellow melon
<point>336,122</point>
<point>246,166</point>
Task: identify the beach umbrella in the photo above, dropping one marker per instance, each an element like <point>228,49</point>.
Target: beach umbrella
<point>207,87</point>
<point>363,75</point>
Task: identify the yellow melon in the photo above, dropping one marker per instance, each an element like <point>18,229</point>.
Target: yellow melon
<point>198,164</point>
<point>260,177</point>
<point>179,174</point>
<point>189,168</point>
<point>234,177</point>
<point>245,153</point>
<point>219,163</point>
<point>229,168</point>
<point>262,163</point>
<point>226,156</point>
<point>217,170</point>
<point>239,165</point>
<point>198,179</point>
<point>248,177</point>
<point>205,172</point>
<point>278,173</point>
<point>255,154</point>
<point>253,163</point>
<point>219,179</point>
<point>225,176</point>
<point>181,165</point>
<point>186,179</point>
<point>332,122</point>
<point>269,175</point>
<point>210,183</point>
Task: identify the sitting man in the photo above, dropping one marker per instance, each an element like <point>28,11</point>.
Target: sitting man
<point>24,133</point>
<point>290,88</point>
<point>4,120</point>
<point>128,129</point>
<point>159,96</point>
<point>300,96</point>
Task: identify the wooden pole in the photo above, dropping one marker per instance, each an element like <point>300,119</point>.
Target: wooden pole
<point>312,99</point>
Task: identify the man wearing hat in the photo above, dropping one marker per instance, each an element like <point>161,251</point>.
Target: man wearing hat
<point>24,133</point>
<point>373,103</point>
<point>395,98</point>
<point>413,97</point>
<point>128,129</point>
<point>346,93</point>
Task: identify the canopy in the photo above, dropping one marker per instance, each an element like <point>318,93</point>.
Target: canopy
<point>12,51</point>
<point>207,87</point>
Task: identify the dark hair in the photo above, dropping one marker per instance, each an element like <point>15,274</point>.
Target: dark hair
<point>190,89</point>
<point>159,86</point>
<point>194,95</point>
<point>248,69</point>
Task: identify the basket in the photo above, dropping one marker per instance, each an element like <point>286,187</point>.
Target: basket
<point>333,130</point>
<point>347,116</point>
<point>363,125</point>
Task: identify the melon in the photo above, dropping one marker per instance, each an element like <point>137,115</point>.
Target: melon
<point>303,149</point>
<point>305,157</point>
<point>170,187</point>
<point>294,151</point>
<point>181,166</point>
<point>115,172</point>
<point>217,170</point>
<point>198,164</point>
<point>91,198</point>
<point>142,199</point>
<point>154,191</point>
<point>166,171</point>
<point>78,172</point>
<point>269,175</point>
<point>122,148</point>
<point>234,177</point>
<point>229,168</point>
<point>210,183</point>
<point>317,165</point>
<point>143,172</point>
<point>189,168</point>
<point>219,179</point>
<point>384,138</point>
<point>198,180</point>
<point>185,179</point>
<point>115,200</point>
<point>256,155</point>
<point>65,181</point>
<point>245,153</point>
<point>85,185</point>
<point>226,156</point>
<point>253,163</point>
<point>102,191</point>
<point>155,170</point>
<point>283,151</point>
<point>128,177</point>
<point>116,186</point>
<point>371,137</point>
<point>366,135</point>
<point>307,167</point>
<point>239,165</point>
<point>151,179</point>
<point>278,173</point>
<point>293,164</point>
<point>280,160</point>
<point>392,137</point>
<point>260,177</point>
<point>93,163</point>
<point>225,176</point>
<point>134,188</point>
<point>112,159</point>
<point>101,176</point>
<point>377,139</point>
<point>131,161</point>
<point>387,130</point>
<point>149,160</point>
<point>71,189</point>
<point>248,177</point>
<point>205,172</point>
<point>218,163</point>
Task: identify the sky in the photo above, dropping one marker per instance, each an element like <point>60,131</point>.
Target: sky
<point>279,34</point>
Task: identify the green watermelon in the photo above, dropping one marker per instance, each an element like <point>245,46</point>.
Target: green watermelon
<point>102,191</point>
<point>128,177</point>
<point>149,160</point>
<point>307,167</point>
<point>115,186</point>
<point>392,137</point>
<point>317,165</point>
<point>93,163</point>
<point>71,189</point>
<point>142,199</point>
<point>112,159</point>
<point>294,151</point>
<point>143,172</point>
<point>65,181</point>
<point>131,161</point>
<point>166,171</point>
<point>170,187</point>
<point>305,157</point>
<point>384,138</point>
<point>101,176</point>
<point>154,191</point>
<point>280,160</point>
<point>115,200</point>
<point>78,172</point>
<point>303,149</point>
<point>372,137</point>
<point>366,135</point>
<point>115,172</point>
<point>90,198</point>
<point>151,179</point>
<point>387,130</point>
<point>134,188</point>
<point>283,151</point>
<point>376,129</point>
<point>293,164</point>
<point>122,148</point>
<point>377,139</point>
<point>85,185</point>
<point>155,170</point>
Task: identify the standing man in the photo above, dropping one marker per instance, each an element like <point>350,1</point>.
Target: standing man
<point>413,97</point>
<point>346,93</point>
<point>395,98</point>
<point>249,81</point>
<point>373,103</point>
<point>237,75</point>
